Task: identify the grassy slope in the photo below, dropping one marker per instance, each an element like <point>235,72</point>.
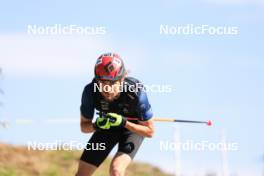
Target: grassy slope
<point>16,160</point>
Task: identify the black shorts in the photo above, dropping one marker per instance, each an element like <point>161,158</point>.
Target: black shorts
<point>102,142</point>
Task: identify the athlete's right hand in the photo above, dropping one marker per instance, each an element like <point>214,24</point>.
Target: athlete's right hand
<point>102,123</point>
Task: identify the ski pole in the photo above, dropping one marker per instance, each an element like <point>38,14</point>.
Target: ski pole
<point>160,119</point>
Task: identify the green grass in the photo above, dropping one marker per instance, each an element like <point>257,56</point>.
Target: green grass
<point>8,172</point>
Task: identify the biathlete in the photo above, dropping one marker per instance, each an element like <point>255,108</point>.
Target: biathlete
<point>115,96</point>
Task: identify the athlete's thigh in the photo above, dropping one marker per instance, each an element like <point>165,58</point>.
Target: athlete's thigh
<point>106,142</point>
<point>129,143</point>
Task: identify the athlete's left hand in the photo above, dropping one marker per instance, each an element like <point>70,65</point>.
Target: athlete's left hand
<point>116,120</point>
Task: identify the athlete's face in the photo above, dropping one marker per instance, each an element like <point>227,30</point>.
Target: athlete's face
<point>110,89</point>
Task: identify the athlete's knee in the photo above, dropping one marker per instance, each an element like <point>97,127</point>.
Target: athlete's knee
<point>82,174</point>
<point>85,169</point>
<point>117,171</point>
<point>78,174</point>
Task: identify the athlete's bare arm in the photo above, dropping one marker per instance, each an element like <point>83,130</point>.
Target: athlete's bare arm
<point>86,125</point>
<point>144,128</point>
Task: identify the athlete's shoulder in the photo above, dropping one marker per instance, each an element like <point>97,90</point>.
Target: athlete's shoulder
<point>87,105</point>
<point>133,85</point>
<point>90,87</point>
<point>138,90</point>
